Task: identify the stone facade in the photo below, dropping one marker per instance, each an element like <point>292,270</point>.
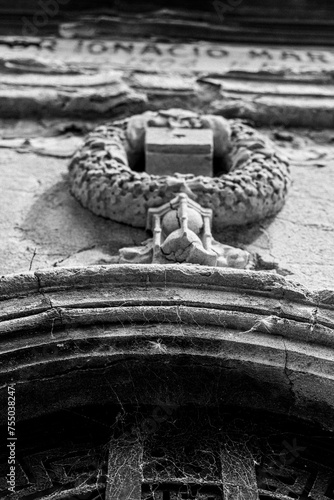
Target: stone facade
<point>156,371</point>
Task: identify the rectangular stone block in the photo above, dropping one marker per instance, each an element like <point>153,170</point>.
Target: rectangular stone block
<point>186,151</point>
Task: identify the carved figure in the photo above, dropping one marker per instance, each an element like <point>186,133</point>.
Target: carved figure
<point>182,234</point>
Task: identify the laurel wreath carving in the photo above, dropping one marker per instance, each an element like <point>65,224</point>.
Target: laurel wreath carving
<point>102,179</point>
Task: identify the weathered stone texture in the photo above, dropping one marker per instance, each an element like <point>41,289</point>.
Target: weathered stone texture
<point>185,151</point>
<point>75,336</point>
<point>255,186</point>
<point>43,225</point>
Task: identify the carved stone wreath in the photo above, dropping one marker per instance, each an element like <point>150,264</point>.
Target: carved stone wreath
<point>102,176</point>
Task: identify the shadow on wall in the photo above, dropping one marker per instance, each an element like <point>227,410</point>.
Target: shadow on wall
<point>59,225</point>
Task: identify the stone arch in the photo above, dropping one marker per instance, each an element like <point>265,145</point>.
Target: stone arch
<point>186,336</point>
<point>76,323</point>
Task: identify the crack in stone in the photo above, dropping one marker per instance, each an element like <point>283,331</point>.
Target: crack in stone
<point>286,370</point>
<point>32,258</point>
<point>172,255</point>
<point>314,319</point>
<point>58,310</point>
<point>84,249</point>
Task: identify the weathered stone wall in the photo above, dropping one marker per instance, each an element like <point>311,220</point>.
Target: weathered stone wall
<point>85,82</point>
<point>150,333</point>
<point>42,225</point>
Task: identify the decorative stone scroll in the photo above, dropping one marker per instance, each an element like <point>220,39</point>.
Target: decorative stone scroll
<point>182,234</point>
<point>103,179</point>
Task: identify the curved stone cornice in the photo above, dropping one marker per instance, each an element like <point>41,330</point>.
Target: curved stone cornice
<point>182,334</point>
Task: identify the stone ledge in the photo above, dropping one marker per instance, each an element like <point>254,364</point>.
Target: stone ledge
<point>203,277</point>
<point>67,95</point>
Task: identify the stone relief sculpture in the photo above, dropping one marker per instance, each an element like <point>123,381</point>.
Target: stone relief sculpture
<point>182,233</point>
<point>251,182</point>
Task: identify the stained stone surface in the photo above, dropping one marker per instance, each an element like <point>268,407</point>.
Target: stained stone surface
<point>181,334</point>
<point>43,225</point>
<point>178,150</point>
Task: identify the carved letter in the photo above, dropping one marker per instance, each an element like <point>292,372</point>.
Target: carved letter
<point>151,48</point>
<point>260,53</point>
<point>314,57</point>
<point>290,55</point>
<point>121,46</point>
<point>173,50</point>
<point>217,53</point>
<point>97,48</point>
